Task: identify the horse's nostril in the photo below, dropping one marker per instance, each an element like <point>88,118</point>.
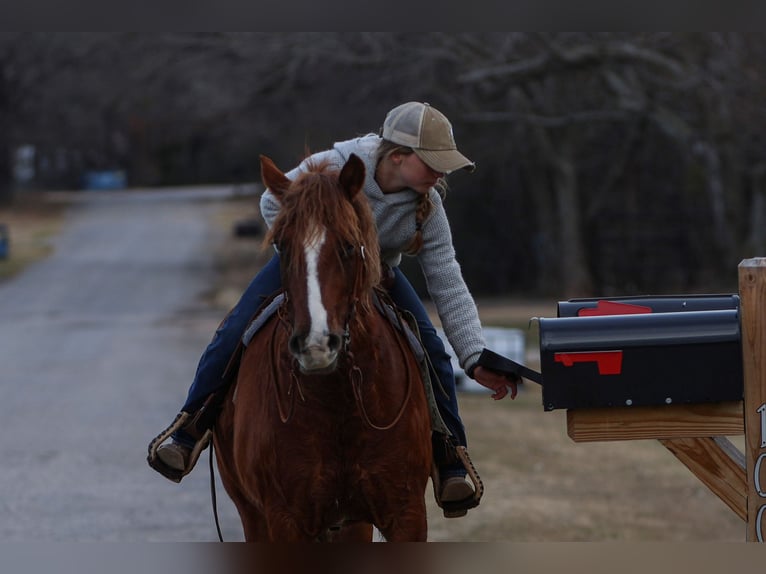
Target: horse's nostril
<point>333,341</point>
<point>294,344</point>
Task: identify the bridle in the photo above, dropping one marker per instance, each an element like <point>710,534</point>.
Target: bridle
<point>354,372</point>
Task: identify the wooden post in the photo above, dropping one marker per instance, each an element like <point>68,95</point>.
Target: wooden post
<point>752,290</point>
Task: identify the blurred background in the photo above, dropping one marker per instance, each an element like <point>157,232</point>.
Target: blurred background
<point>608,163</point>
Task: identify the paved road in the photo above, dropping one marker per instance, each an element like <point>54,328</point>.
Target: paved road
<point>98,345</point>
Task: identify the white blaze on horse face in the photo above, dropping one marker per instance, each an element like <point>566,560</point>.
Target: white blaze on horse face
<point>319,354</point>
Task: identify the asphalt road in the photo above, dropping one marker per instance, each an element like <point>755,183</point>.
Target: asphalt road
<point>98,345</point>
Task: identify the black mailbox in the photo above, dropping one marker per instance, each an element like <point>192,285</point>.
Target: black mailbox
<point>656,351</point>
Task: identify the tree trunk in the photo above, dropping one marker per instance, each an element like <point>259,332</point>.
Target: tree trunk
<point>577,279</point>
<point>715,187</point>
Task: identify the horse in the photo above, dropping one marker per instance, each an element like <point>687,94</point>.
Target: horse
<point>326,431</point>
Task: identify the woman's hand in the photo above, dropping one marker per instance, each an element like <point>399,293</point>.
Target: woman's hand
<point>496,382</point>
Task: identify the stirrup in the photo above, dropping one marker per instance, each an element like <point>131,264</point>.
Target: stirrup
<point>157,463</point>
<point>458,508</point>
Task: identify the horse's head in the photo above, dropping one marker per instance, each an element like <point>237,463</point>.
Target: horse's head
<point>326,237</point>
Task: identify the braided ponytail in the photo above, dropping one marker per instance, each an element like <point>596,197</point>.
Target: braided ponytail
<point>421,214</point>
<point>425,205</point>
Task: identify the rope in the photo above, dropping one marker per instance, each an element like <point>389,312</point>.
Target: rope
<point>213,496</point>
<point>356,384</point>
<point>284,417</point>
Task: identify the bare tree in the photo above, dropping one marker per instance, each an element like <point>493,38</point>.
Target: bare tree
<point>571,90</point>
<point>596,150</point>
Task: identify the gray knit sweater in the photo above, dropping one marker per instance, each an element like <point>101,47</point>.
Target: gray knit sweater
<point>395,219</point>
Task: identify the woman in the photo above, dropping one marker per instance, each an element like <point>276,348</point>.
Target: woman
<point>406,165</point>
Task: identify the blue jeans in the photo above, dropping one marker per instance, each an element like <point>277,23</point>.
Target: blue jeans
<point>209,376</point>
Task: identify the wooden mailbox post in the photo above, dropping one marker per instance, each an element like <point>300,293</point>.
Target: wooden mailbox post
<point>752,287</point>
<point>696,433</point>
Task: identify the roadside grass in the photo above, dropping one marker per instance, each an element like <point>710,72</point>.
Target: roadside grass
<point>236,259</point>
<point>31,220</point>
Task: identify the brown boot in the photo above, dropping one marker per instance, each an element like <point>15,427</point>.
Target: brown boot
<point>174,460</point>
<point>453,493</point>
<point>456,488</point>
<point>175,455</point>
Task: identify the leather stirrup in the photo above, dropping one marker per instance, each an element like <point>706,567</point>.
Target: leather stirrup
<point>457,508</point>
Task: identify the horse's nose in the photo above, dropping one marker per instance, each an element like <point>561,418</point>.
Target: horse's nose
<point>333,342</point>
<point>295,345</point>
<point>315,353</point>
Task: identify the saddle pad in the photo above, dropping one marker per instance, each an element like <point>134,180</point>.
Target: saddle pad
<point>261,318</point>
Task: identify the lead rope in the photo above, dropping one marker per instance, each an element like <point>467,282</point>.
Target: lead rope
<point>213,496</point>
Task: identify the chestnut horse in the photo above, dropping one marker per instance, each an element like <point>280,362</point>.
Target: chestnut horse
<point>327,430</point>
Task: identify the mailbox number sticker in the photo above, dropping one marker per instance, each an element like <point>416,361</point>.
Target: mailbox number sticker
<point>757,475</point>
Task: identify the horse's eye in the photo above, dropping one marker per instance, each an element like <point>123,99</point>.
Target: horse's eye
<point>348,251</point>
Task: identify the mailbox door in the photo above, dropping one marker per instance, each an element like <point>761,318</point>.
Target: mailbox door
<point>646,304</point>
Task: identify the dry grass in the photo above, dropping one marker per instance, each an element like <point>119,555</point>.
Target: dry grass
<point>541,486</point>
<point>32,220</point>
<point>238,259</point>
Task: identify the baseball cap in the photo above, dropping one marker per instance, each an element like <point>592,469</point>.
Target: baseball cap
<point>429,133</point>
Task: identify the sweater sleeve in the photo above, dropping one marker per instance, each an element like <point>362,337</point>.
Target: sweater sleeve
<point>448,290</point>
<point>269,207</point>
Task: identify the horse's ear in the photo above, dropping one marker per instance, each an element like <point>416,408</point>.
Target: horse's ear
<point>352,175</point>
<point>276,181</point>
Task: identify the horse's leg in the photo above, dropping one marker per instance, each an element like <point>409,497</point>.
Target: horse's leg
<point>253,521</point>
<point>410,526</point>
<point>355,532</point>
<point>253,524</point>
<point>269,525</point>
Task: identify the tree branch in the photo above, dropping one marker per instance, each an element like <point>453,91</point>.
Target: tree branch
<point>550,121</point>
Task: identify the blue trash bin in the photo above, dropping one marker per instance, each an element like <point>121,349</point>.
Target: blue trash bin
<point>4,241</point>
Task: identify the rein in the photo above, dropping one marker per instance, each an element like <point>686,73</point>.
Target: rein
<point>284,417</point>
<point>213,497</point>
<point>355,374</point>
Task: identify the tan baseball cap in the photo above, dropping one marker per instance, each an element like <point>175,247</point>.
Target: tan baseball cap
<point>429,133</point>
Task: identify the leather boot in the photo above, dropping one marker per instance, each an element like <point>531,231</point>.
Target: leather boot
<point>175,459</point>
<point>454,494</point>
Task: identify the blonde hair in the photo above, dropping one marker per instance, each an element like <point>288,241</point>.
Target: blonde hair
<point>386,149</point>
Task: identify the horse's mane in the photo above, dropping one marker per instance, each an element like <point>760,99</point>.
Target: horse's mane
<point>315,197</point>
